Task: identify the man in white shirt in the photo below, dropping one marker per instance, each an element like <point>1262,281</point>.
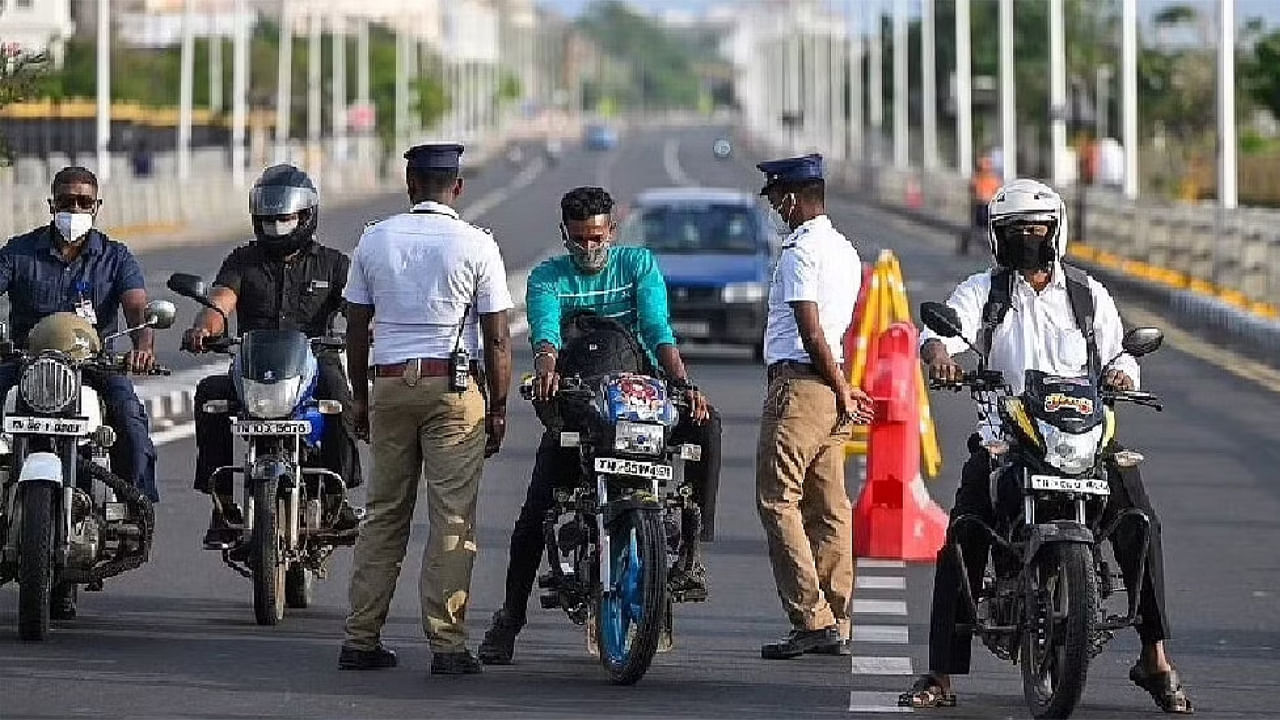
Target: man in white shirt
<point>1034,312</point>
<point>425,280</point>
<point>808,416</point>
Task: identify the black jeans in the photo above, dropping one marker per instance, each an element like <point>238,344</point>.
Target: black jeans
<point>949,648</point>
<point>213,432</point>
<point>555,466</point>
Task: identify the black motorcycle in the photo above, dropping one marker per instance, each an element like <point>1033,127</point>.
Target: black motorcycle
<point>1042,603</point>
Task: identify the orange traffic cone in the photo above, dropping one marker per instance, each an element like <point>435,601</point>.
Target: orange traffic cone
<point>895,518</point>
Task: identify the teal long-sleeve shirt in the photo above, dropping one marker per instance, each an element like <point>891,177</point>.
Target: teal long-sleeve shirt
<point>630,289</point>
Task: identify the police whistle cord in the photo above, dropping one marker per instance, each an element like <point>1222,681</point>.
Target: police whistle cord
<point>140,507</point>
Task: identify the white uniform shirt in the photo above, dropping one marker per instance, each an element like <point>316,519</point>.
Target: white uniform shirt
<point>1039,332</point>
<point>818,264</point>
<point>420,271</point>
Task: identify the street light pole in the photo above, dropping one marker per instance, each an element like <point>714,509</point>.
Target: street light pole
<point>314,125</point>
<point>901,128</point>
<point>1008,104</point>
<point>856,147</point>
<point>215,66</point>
<point>338,111</point>
<point>964,91</point>
<point>1057,92</point>
<point>876,82</point>
<point>929,84</point>
<point>284,80</point>
<point>239,91</point>
<point>1227,104</point>
<point>1129,95</point>
<point>103,142</point>
<point>187,73</point>
<point>362,87</point>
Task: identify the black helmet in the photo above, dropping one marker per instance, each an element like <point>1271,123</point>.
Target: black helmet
<point>284,190</point>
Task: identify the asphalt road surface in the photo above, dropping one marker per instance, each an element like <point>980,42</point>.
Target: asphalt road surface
<point>176,639</point>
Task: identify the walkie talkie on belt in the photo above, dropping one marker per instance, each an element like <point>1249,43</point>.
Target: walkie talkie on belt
<point>460,359</point>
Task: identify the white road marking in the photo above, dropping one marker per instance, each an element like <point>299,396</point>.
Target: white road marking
<point>881,665</point>
<point>879,607</point>
<point>496,197</point>
<point>881,582</point>
<point>173,434</point>
<point>883,634</point>
<point>875,702</point>
<point>671,163</point>
<point>874,564</point>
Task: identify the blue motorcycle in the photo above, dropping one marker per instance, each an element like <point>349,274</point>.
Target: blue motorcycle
<point>614,530</point>
<point>286,533</point>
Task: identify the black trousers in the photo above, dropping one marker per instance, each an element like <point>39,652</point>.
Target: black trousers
<point>949,648</point>
<point>555,466</point>
<point>213,432</point>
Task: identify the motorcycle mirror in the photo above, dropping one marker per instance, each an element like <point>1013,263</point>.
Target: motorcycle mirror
<point>940,318</point>
<point>187,285</point>
<point>1142,341</point>
<point>160,314</point>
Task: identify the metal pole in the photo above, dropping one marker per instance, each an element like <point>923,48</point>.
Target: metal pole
<point>284,81</point>
<point>794,99</point>
<point>856,147</point>
<point>1129,97</point>
<point>1057,92</point>
<point>901,157</point>
<point>929,83</point>
<point>1227,104</point>
<point>402,88</point>
<point>103,143</point>
<point>836,48</point>
<point>1008,104</point>
<point>876,83</point>
<point>187,79</point>
<point>314,124</point>
<point>1102,95</point>
<point>362,86</point>
<point>215,67</point>
<point>964,91</point>
<point>239,92</point>
<point>338,111</point>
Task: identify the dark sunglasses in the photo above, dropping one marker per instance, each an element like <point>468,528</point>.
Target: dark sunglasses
<point>75,202</point>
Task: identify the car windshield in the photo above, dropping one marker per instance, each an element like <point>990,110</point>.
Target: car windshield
<point>699,229</point>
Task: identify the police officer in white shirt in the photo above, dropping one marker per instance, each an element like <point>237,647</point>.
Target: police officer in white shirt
<point>425,280</point>
<point>808,416</point>
<point>1034,312</point>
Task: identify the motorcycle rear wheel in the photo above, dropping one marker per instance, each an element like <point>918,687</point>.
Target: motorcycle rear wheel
<point>35,561</point>
<point>264,556</point>
<point>634,600</point>
<point>1063,598</point>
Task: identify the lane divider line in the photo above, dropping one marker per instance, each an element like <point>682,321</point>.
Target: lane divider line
<point>881,582</point>
<point>879,607</point>
<point>881,634</point>
<point>671,163</point>
<point>875,702</point>
<point>874,665</point>
<point>874,564</point>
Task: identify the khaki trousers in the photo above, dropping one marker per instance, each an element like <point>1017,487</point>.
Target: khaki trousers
<point>803,504</point>
<point>423,430</point>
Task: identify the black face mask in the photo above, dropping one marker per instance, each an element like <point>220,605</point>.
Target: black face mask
<point>1020,251</point>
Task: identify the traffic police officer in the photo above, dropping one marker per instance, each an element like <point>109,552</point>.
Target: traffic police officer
<point>425,280</point>
<point>808,415</point>
<point>284,279</point>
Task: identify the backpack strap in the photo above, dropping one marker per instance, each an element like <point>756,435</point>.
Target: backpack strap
<point>1080,295</point>
<point>999,300</point>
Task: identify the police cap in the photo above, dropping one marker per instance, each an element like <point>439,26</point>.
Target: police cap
<point>791,170</point>
<point>436,156</point>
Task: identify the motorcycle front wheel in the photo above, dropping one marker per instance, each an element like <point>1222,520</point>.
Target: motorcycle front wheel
<point>35,561</point>
<point>265,556</point>
<point>1060,611</point>
<point>633,600</point>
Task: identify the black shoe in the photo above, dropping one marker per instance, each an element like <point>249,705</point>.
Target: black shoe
<point>842,648</point>
<point>800,642</point>
<point>62,604</point>
<point>455,663</point>
<point>500,640</point>
<point>221,535</point>
<point>688,585</point>
<point>347,518</point>
<point>380,657</point>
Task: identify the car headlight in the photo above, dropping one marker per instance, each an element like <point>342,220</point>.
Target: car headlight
<point>639,438</point>
<point>1068,452</point>
<point>271,400</point>
<point>744,292</point>
<point>48,385</point>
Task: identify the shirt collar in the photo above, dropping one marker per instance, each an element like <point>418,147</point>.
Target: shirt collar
<point>431,206</point>
<point>94,245</point>
<point>821,222</point>
<point>1058,278</point>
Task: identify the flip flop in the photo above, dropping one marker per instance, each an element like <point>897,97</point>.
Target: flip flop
<point>1165,689</point>
<point>925,693</point>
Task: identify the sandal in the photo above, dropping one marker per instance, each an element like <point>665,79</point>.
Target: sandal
<point>1165,689</point>
<point>927,692</point>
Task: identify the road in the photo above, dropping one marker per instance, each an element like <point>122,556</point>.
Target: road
<point>176,638</point>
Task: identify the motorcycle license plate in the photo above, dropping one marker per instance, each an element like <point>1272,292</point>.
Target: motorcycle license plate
<point>45,426</point>
<point>271,427</point>
<point>636,468</point>
<point>1087,486</point>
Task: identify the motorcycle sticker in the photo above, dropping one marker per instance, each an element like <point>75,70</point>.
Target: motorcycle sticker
<point>1058,401</point>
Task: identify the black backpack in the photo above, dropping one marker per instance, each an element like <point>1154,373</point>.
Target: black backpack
<point>1000,299</point>
<point>591,346</point>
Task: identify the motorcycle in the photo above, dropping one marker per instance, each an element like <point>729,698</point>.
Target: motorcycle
<point>614,530</point>
<point>65,519</point>
<point>287,530</point>
<point>1042,603</point>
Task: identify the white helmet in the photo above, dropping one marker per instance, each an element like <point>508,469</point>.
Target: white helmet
<point>1028,201</point>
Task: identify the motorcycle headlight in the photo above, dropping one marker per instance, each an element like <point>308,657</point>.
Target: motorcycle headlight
<point>271,400</point>
<point>639,438</point>
<point>745,292</point>
<point>1068,452</point>
<point>48,385</point>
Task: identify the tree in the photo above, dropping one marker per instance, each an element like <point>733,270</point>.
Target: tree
<point>658,68</point>
<point>1260,72</point>
<point>20,75</point>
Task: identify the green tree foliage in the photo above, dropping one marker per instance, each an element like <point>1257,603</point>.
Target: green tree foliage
<point>658,70</point>
<point>20,75</point>
<point>1260,72</point>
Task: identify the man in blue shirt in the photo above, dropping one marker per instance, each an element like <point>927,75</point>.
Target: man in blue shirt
<point>622,284</point>
<point>68,266</point>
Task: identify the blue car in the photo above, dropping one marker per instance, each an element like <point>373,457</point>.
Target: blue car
<point>716,249</point>
<point>601,137</point>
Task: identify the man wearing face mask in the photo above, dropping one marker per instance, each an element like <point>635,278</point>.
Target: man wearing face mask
<point>1032,311</point>
<point>68,265</point>
<point>283,279</point>
<point>616,283</point>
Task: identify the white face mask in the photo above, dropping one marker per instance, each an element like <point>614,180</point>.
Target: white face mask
<point>279,228</point>
<point>73,226</point>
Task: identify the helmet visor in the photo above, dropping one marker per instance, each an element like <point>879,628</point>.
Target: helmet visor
<point>281,199</point>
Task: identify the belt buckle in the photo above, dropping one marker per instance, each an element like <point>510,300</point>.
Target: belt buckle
<point>412,371</point>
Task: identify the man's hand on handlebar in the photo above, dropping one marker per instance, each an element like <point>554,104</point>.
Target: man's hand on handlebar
<point>943,369</point>
<point>1118,380</point>
<point>193,339</point>
<point>140,361</point>
<point>699,409</point>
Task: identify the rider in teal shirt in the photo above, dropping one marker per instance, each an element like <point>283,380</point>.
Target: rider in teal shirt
<point>622,283</point>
